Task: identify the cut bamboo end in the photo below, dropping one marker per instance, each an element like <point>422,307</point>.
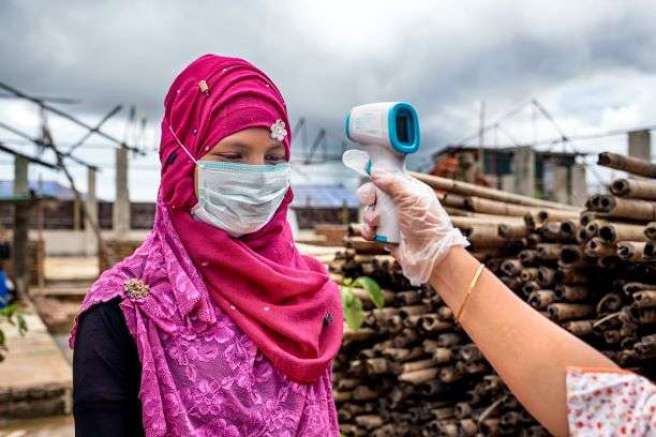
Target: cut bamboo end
<point>634,188</point>
<point>568,311</point>
<point>598,248</point>
<point>553,215</point>
<point>580,328</point>
<point>572,293</point>
<point>541,299</point>
<point>546,276</point>
<point>420,376</point>
<point>650,231</point>
<point>633,209</point>
<point>644,299</point>
<point>628,164</point>
<point>631,251</point>
<point>569,229</point>
<point>650,251</point>
<point>612,232</point>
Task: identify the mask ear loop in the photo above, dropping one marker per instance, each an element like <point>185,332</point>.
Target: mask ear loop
<point>177,140</point>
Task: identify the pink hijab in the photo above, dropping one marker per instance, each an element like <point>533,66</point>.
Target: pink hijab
<point>284,301</point>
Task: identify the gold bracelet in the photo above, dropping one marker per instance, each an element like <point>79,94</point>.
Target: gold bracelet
<point>479,270</point>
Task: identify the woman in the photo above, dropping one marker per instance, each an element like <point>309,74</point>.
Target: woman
<point>565,384</point>
<point>216,325</point>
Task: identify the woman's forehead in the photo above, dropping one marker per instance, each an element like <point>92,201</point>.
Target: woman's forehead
<point>251,138</point>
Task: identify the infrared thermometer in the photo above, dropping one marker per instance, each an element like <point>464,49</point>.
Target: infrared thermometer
<point>386,132</point>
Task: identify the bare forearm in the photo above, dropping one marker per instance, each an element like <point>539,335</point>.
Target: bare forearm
<point>530,353</point>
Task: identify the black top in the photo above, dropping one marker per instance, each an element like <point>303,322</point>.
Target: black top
<point>106,375</point>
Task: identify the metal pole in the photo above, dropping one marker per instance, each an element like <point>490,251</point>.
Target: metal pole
<point>67,116</point>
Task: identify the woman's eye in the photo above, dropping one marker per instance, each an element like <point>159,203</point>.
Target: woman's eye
<point>229,156</point>
<point>274,159</point>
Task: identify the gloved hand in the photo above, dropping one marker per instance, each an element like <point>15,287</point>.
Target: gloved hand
<point>427,233</point>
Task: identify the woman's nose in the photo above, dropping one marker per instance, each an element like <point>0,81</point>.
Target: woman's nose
<point>256,159</point>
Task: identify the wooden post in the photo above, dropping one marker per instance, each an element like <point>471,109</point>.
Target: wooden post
<point>640,144</point>
<point>344,214</point>
<point>77,222</point>
<point>562,187</point>
<point>21,226</point>
<point>122,201</point>
<point>578,189</point>
<point>524,170</point>
<point>91,204</point>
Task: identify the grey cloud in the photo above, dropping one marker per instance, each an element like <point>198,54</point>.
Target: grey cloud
<point>128,52</point>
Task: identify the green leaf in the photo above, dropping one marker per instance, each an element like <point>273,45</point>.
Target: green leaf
<point>8,311</point>
<point>353,313</point>
<point>373,289</point>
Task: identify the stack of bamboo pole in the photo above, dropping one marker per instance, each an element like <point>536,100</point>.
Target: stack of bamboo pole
<point>410,370</point>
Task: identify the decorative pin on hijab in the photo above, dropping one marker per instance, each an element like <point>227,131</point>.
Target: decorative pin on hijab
<point>136,289</point>
<point>202,85</point>
<point>278,131</point>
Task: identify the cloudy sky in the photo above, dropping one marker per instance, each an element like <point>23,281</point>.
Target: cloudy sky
<point>592,64</point>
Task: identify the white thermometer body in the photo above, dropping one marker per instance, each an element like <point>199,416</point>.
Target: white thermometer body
<point>387,132</point>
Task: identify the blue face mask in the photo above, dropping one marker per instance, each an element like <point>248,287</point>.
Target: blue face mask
<point>240,198</point>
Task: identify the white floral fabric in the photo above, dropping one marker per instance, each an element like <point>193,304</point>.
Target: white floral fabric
<point>610,402</point>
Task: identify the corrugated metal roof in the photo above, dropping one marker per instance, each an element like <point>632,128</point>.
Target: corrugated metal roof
<point>51,189</point>
<point>323,196</point>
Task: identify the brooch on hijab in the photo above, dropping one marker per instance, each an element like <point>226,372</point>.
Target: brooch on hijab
<point>202,85</point>
<point>136,289</point>
<point>278,131</point>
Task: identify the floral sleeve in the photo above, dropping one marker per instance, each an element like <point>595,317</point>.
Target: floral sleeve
<point>610,402</point>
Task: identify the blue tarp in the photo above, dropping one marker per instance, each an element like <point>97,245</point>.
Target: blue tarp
<point>323,196</point>
<point>52,189</point>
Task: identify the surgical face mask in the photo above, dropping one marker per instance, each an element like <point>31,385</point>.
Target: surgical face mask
<point>239,198</point>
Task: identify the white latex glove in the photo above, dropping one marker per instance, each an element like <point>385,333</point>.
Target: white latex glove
<point>427,233</point>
